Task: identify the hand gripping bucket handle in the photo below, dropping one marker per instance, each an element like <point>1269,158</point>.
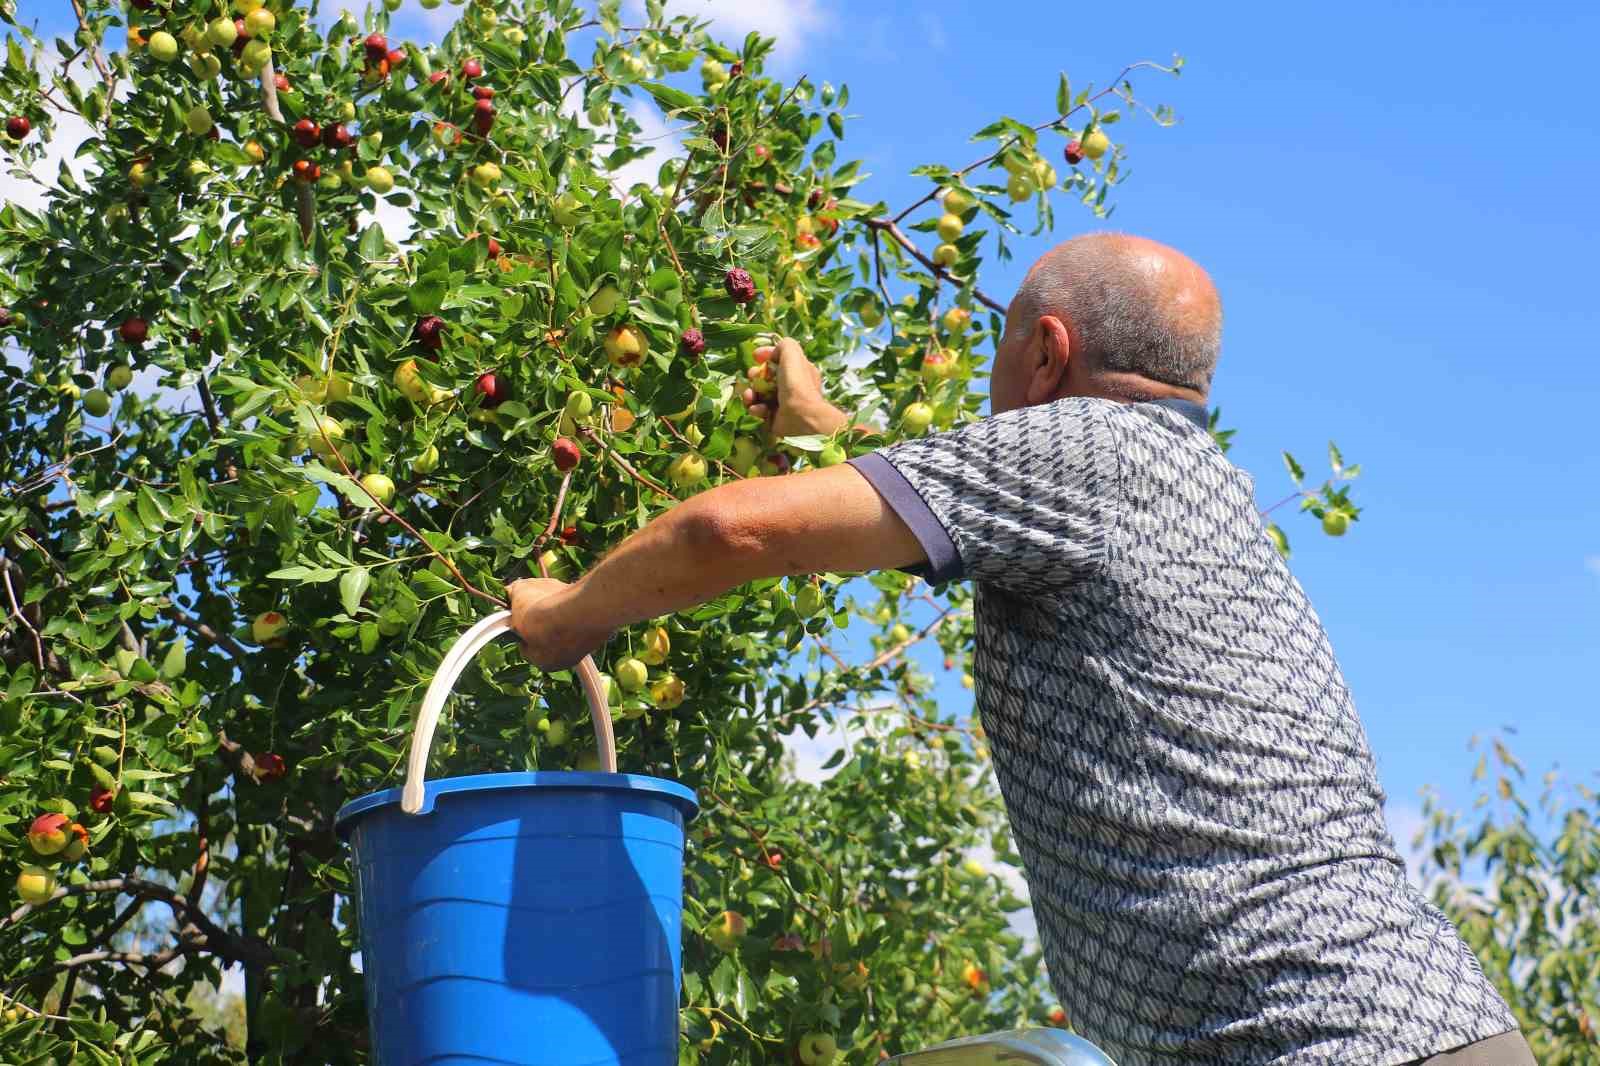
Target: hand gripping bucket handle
<point>450,668</point>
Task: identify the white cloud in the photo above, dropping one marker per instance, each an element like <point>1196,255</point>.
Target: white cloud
<point>933,30</point>
<point>1592,564</point>
<point>67,132</point>
<point>792,22</point>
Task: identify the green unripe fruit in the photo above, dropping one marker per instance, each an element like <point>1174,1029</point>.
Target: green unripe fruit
<point>579,405</point>
<point>198,120</point>
<point>222,32</point>
<point>632,674</point>
<point>1019,187</point>
<point>871,314</point>
<point>260,22</point>
<point>556,735</point>
<point>917,418</point>
<point>118,378</point>
<point>831,455</point>
<point>565,210</point>
<point>255,55</point>
<point>379,180</point>
<point>427,462</point>
<point>958,201</point>
<point>163,47</point>
<point>97,403</point>
<point>205,66</point>
<point>605,301</point>
<point>1334,523</point>
<point>946,255</point>
<point>950,226</point>
<point>809,600</point>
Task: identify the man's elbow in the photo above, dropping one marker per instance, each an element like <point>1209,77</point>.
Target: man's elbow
<point>716,527</point>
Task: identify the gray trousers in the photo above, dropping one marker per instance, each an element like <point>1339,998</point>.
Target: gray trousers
<point>1507,1049</point>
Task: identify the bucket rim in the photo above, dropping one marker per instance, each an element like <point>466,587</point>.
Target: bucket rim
<point>680,794</point>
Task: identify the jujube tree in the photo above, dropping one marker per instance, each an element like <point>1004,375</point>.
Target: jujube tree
<point>226,588</point>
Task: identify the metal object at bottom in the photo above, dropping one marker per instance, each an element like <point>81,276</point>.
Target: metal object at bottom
<point>1014,1047</point>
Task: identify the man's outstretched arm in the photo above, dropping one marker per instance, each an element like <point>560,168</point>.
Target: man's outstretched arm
<point>821,520</point>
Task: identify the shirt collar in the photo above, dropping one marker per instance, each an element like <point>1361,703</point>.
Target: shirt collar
<point>1194,412</point>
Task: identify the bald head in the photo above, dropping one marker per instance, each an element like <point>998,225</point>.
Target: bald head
<point>1134,307</point>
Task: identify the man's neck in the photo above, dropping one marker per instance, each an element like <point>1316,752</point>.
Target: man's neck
<point>1135,388</point>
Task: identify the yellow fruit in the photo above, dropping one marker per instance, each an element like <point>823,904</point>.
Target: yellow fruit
<point>1019,187</point>
<point>958,201</point>
<point>687,469</point>
<point>139,175</point>
<point>260,22</point>
<point>950,226</point>
<point>667,693</point>
<point>656,647</point>
<point>632,675</point>
<point>35,884</point>
<point>485,175</point>
<point>379,486</point>
<point>1095,144</point>
<point>254,150</point>
<point>268,625</point>
<point>625,346</point>
<point>946,255</point>
<point>728,930</point>
<point>326,440</point>
<point>956,319</point>
<point>254,55</point>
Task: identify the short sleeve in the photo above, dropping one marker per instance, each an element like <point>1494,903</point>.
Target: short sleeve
<point>1021,500</point>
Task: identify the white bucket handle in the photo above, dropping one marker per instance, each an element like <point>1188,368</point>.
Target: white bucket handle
<point>450,667</point>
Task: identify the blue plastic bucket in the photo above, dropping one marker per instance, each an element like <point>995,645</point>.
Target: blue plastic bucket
<point>526,918</point>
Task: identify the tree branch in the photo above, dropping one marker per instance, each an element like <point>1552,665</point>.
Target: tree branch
<point>221,640</point>
<point>898,235</point>
<point>626,466</point>
<point>199,932</point>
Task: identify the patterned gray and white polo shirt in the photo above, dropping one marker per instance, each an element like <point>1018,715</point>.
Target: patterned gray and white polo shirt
<point>1188,783</point>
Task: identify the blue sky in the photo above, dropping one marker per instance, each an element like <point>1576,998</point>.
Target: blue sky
<point>1396,203</point>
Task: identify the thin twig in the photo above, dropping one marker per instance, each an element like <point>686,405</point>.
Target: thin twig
<point>555,513</point>
<point>894,231</point>
<point>1058,120</point>
<point>626,466</point>
<point>16,611</point>
<point>394,516</point>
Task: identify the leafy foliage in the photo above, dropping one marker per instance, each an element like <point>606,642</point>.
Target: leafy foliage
<point>1522,883</point>
<point>218,621</point>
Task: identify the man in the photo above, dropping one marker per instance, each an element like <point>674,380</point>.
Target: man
<point>1186,777</point>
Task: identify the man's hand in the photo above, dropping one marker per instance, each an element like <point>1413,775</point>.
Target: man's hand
<point>799,408</point>
<point>554,635</point>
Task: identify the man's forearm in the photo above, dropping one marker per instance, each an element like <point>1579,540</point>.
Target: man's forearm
<point>822,520</point>
<point>667,566</point>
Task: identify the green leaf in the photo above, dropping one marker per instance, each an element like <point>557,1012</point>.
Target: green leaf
<point>372,242</point>
<point>174,662</point>
<point>669,98</point>
<point>1295,470</point>
<point>352,586</point>
<point>426,295</point>
<point>1063,96</point>
<point>1335,460</point>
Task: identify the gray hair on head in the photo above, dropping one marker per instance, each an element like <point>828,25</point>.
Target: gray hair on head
<point>1136,307</point>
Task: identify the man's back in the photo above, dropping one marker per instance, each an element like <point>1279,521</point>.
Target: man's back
<point>1187,779</point>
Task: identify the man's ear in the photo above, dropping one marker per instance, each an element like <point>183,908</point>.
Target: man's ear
<point>1048,359</point>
